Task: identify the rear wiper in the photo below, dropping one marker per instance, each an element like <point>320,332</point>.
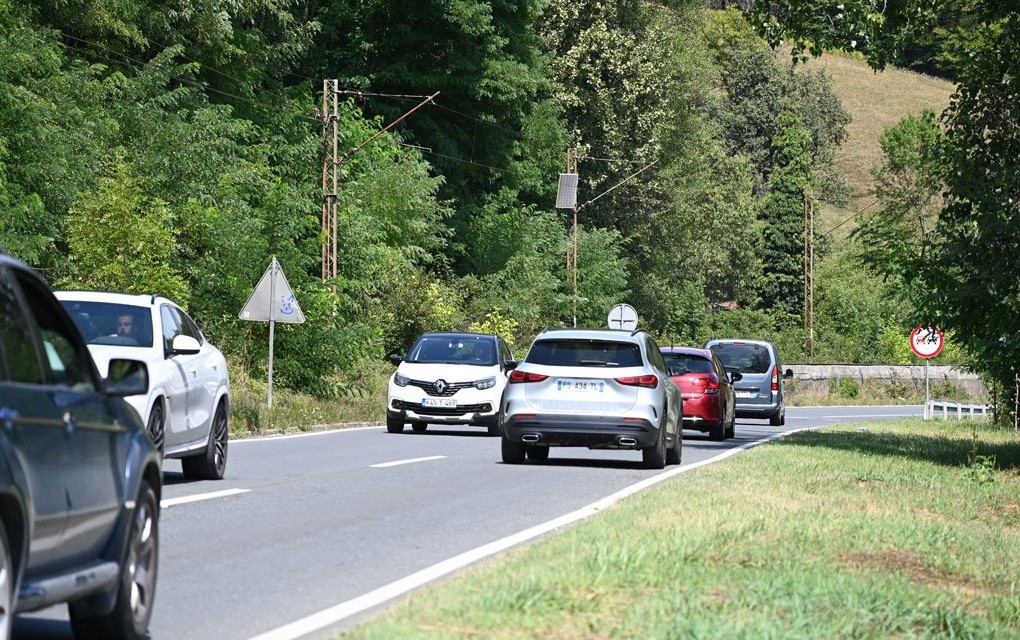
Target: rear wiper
<point>596,363</point>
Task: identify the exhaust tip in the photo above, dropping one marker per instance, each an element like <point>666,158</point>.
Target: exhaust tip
<point>530,438</point>
<point>626,441</point>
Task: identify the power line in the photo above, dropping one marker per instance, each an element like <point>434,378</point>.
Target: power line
<point>859,212</point>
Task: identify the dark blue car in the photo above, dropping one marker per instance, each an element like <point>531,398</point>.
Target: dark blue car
<point>80,480</point>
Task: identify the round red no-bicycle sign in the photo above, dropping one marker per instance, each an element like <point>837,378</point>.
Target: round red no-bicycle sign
<point>926,341</point>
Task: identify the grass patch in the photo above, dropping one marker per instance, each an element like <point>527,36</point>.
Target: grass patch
<point>883,533</point>
<point>251,415</point>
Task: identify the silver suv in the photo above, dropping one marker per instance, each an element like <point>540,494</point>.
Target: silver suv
<point>759,392</point>
<point>600,389</point>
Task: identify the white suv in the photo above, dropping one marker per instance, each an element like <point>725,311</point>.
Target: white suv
<point>449,378</point>
<point>188,404</point>
<point>594,388</point>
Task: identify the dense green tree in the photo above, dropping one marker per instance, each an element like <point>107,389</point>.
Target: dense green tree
<point>971,269</point>
<point>122,240</point>
<point>782,213</point>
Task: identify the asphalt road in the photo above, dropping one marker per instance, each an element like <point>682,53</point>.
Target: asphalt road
<point>308,534</point>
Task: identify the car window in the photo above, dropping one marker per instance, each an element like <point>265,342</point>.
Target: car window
<point>654,354</point>
<point>744,357</point>
<point>66,362</point>
<point>188,326</point>
<point>690,362</point>
<point>171,326</point>
<point>585,353</point>
<point>124,325</point>
<point>17,347</point>
<point>478,350</point>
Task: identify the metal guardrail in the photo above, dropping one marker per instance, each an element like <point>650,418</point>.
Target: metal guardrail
<point>945,409</point>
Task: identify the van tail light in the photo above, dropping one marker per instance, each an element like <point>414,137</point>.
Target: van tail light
<point>525,376</point>
<point>647,380</point>
<point>775,378</point>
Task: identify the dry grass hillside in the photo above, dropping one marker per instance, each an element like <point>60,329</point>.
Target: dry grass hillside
<point>875,101</point>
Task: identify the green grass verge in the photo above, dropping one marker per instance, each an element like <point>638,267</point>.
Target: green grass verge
<point>906,529</point>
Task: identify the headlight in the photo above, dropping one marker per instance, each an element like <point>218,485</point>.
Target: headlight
<point>400,380</point>
<point>486,383</point>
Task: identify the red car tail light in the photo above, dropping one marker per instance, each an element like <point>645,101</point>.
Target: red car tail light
<point>712,384</point>
<point>525,376</point>
<point>647,380</point>
<point>775,378</point>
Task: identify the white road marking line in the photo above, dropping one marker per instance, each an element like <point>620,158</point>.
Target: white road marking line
<point>170,502</point>
<point>383,465</point>
<point>336,613</point>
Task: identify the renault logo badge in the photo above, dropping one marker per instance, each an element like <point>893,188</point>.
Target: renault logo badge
<point>441,386</point>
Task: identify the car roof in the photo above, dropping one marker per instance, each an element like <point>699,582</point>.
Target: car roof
<point>764,343</point>
<point>457,334</point>
<point>687,351</point>
<point>137,299</point>
<point>590,334</point>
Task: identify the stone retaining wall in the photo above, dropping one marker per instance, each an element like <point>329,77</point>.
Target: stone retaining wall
<point>814,378</point>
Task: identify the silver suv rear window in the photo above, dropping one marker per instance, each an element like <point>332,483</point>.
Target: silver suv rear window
<point>585,353</point>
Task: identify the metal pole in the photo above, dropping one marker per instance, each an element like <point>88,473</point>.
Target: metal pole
<point>272,324</point>
<point>926,389</point>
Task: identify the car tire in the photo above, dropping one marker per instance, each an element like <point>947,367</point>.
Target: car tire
<point>717,432</point>
<point>417,426</point>
<point>731,426</point>
<point>674,453</point>
<point>513,452</point>
<point>778,419</point>
<point>156,427</point>
<point>6,586</point>
<point>537,453</point>
<point>132,610</point>
<point>654,457</point>
<point>394,423</point>
<point>211,464</point>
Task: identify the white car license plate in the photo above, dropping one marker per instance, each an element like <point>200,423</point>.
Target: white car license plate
<point>744,394</point>
<point>445,403</point>
<point>584,386</point>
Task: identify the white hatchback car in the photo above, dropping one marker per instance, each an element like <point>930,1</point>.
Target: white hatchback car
<point>187,408</point>
<point>449,378</point>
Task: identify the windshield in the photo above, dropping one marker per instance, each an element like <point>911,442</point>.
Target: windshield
<point>123,325</point>
<point>585,353</point>
<point>744,357</point>
<point>475,350</point>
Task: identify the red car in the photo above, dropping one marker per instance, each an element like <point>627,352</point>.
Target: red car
<point>706,388</point>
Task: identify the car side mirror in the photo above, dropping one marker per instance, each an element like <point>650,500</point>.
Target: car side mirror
<point>735,376</point>
<point>676,369</point>
<point>185,345</point>
<point>510,365</point>
<point>127,378</point>
<point>396,359</point>
<point>787,374</point>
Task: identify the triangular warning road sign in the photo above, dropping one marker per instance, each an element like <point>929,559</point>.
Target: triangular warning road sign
<point>273,299</point>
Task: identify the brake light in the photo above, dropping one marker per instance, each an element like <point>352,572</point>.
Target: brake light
<point>775,378</point>
<point>647,380</point>
<point>525,376</point>
<point>712,384</point>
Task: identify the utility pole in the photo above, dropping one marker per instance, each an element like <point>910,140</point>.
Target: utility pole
<point>809,275</point>
<point>330,171</point>
<point>566,198</point>
<point>331,161</point>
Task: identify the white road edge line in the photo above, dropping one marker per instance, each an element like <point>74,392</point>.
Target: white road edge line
<point>383,465</point>
<point>339,612</point>
<point>170,502</point>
